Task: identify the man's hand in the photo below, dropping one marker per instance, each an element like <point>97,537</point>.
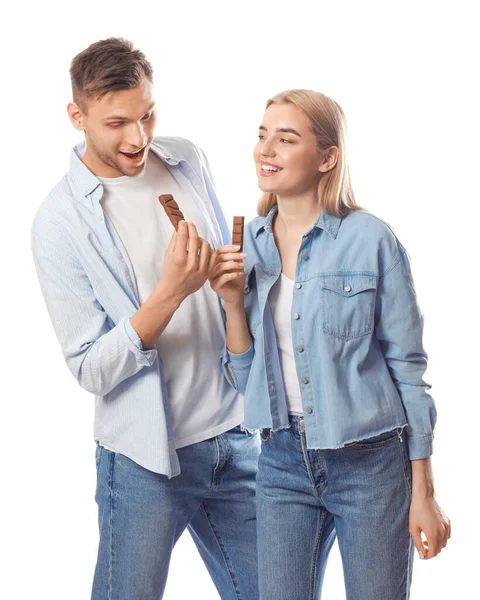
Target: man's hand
<point>187,263</point>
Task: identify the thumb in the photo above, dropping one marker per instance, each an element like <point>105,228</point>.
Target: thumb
<point>212,262</point>
<point>171,245</point>
<point>418,542</point>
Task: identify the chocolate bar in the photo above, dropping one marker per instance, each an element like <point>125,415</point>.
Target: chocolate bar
<point>171,208</point>
<point>237,234</point>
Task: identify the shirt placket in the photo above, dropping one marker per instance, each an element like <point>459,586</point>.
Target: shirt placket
<point>300,347</point>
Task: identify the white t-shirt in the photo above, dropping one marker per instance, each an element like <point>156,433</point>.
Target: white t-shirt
<point>202,403</point>
<point>280,300</point>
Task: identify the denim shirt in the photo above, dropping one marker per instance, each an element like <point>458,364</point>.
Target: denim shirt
<point>356,334</point>
<point>89,286</point>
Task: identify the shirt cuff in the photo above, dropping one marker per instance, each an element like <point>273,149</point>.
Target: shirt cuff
<point>144,357</point>
<point>420,447</point>
<point>241,360</point>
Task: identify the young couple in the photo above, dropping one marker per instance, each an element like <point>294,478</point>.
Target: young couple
<point>323,338</point>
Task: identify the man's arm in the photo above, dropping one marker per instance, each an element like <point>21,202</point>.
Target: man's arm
<point>101,355</point>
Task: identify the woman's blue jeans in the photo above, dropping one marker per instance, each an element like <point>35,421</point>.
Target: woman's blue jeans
<point>360,494</point>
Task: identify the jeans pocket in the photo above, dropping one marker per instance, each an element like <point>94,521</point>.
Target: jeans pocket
<point>377,441</point>
<point>348,304</point>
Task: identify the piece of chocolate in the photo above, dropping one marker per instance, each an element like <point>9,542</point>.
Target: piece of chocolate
<point>171,208</point>
<point>237,233</point>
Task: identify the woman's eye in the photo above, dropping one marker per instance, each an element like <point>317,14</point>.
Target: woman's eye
<point>261,137</point>
<point>285,141</point>
<point>147,117</point>
<point>115,125</point>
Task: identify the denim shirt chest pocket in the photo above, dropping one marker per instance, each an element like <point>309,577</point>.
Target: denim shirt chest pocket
<point>348,304</point>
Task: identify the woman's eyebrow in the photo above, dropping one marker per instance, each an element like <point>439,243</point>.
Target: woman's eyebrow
<point>282,130</point>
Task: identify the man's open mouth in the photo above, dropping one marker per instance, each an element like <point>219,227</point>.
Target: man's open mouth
<point>134,156</point>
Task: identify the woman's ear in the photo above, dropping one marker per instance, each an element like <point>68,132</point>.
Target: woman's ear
<point>329,159</point>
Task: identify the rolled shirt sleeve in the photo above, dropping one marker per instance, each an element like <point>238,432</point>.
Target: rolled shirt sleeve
<point>99,353</point>
<point>236,367</point>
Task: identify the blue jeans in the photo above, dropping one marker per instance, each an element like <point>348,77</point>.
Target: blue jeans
<point>360,494</point>
<point>142,514</point>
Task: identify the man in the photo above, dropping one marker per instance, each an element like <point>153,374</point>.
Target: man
<point>140,328</point>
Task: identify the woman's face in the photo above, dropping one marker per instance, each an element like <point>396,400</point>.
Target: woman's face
<point>286,156</point>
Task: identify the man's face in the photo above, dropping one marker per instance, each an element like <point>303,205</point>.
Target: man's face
<point>118,129</point>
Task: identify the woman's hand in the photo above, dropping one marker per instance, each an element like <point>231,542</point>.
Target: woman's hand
<point>427,516</point>
<point>227,277</point>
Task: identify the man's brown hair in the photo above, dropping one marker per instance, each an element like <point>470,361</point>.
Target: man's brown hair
<point>105,66</point>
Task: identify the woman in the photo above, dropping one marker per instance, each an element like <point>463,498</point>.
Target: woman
<point>333,377</point>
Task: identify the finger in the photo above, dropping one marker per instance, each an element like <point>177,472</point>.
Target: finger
<point>418,542</point>
<point>193,244</point>
<point>181,240</point>
<point>171,244</point>
<point>223,280</point>
<point>212,263</point>
<point>434,545</point>
<point>229,256</point>
<point>204,255</point>
<point>231,267</point>
<point>229,248</point>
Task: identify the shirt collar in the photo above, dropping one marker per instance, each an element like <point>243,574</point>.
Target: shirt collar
<point>330,223</point>
<point>85,182</point>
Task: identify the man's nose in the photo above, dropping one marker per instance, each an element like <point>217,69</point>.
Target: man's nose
<point>136,135</point>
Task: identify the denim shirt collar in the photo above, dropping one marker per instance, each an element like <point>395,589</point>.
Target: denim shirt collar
<point>330,223</point>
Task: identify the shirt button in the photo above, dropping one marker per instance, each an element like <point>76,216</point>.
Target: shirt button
<point>304,380</point>
<point>298,285</point>
<point>348,288</point>
<point>296,316</point>
<point>304,256</point>
<point>272,389</point>
<point>299,349</point>
<point>309,410</point>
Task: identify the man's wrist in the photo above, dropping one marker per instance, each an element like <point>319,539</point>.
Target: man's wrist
<point>165,297</point>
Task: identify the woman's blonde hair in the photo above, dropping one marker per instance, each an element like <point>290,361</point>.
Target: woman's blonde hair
<point>327,119</point>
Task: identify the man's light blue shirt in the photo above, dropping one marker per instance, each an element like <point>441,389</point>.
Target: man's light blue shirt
<point>89,287</point>
<point>356,335</point>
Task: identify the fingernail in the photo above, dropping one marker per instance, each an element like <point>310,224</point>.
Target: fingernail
<point>236,247</point>
<point>421,555</point>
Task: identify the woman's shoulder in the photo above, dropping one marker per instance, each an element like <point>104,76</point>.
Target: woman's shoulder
<point>374,229</point>
<point>375,234</point>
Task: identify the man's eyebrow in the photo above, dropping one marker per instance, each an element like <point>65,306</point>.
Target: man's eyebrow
<point>120,118</point>
<point>282,130</point>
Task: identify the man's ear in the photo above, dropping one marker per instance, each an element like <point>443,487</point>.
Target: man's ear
<point>330,157</point>
<point>76,116</point>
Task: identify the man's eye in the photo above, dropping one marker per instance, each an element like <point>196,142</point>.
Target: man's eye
<point>261,137</point>
<point>147,117</point>
<point>115,125</point>
<point>285,141</point>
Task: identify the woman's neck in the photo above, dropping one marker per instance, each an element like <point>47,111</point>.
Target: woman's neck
<point>297,215</point>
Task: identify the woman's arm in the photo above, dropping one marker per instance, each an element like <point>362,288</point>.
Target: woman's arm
<point>227,278</point>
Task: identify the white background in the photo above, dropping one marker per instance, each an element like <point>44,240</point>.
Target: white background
<point>405,74</point>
